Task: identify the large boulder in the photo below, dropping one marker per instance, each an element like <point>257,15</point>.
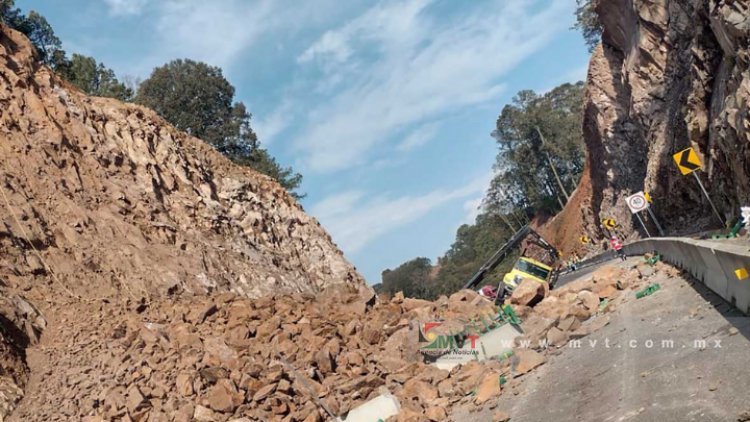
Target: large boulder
<point>528,293</point>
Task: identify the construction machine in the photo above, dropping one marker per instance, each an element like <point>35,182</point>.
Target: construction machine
<point>524,268</point>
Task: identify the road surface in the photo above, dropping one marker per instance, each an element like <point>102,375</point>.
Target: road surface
<point>678,355</point>
<point>568,277</point>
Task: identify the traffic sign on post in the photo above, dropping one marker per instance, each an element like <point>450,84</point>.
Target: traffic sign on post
<point>585,240</point>
<point>687,161</point>
<point>609,223</point>
<point>637,202</point>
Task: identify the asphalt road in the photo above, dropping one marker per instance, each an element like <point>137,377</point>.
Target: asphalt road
<point>648,364</point>
<point>568,277</point>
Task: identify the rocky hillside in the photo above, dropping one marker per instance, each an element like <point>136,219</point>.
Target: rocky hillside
<point>105,203</point>
<point>104,199</point>
<point>668,74</point>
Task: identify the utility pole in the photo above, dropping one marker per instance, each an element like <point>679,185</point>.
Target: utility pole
<point>552,166</point>
<point>515,218</point>
<point>522,217</point>
<point>507,221</point>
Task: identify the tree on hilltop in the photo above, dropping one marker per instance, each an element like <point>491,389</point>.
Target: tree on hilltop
<point>198,99</point>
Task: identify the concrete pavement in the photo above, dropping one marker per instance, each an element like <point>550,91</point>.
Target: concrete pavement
<point>678,355</point>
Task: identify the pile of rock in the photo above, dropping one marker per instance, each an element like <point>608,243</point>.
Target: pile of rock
<point>567,313</point>
<point>292,357</point>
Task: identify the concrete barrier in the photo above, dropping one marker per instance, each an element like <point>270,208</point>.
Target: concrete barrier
<point>380,408</point>
<point>489,346</point>
<point>712,262</point>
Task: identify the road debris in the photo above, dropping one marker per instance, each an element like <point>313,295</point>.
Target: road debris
<point>651,289</point>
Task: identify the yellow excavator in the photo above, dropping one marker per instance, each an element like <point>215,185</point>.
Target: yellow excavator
<point>524,268</point>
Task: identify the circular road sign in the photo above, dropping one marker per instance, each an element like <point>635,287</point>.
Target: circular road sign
<point>637,202</point>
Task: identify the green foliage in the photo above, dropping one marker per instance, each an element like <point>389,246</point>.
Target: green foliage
<point>524,184</point>
<point>474,244</point>
<point>197,99</point>
<point>81,71</point>
<point>192,96</point>
<point>91,78</point>
<point>6,8</point>
<point>531,132</point>
<point>35,27</point>
<point>10,15</point>
<point>587,21</point>
<point>40,33</point>
<point>412,278</point>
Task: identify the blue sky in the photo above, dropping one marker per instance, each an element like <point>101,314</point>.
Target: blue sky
<point>385,106</point>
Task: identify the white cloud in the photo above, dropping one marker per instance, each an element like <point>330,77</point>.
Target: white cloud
<point>220,32</point>
<point>472,208</point>
<point>125,7</point>
<point>391,23</point>
<point>337,204</point>
<point>419,137</point>
<point>331,43</point>
<point>270,125</point>
<point>354,219</point>
<point>214,32</point>
<point>422,69</point>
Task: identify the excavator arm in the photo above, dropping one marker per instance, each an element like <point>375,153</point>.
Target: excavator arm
<point>506,249</point>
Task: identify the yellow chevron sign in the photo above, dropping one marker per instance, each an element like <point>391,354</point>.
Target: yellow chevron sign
<point>585,239</point>
<point>687,161</point>
<point>609,223</point>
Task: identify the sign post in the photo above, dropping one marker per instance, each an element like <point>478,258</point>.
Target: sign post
<point>653,217</point>
<point>637,203</point>
<point>721,220</point>
<point>688,162</point>
<point>652,213</point>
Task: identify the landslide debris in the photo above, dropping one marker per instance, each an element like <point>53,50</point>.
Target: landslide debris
<point>575,310</point>
<point>226,357</point>
<point>293,357</point>
<point>106,208</point>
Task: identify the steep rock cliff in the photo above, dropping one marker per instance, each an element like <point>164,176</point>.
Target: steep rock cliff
<point>669,74</point>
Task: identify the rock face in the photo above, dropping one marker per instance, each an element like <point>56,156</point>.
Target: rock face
<point>104,202</point>
<point>669,74</point>
<point>119,203</point>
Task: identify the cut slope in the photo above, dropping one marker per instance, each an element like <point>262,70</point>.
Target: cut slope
<point>668,75</point>
<point>118,202</point>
